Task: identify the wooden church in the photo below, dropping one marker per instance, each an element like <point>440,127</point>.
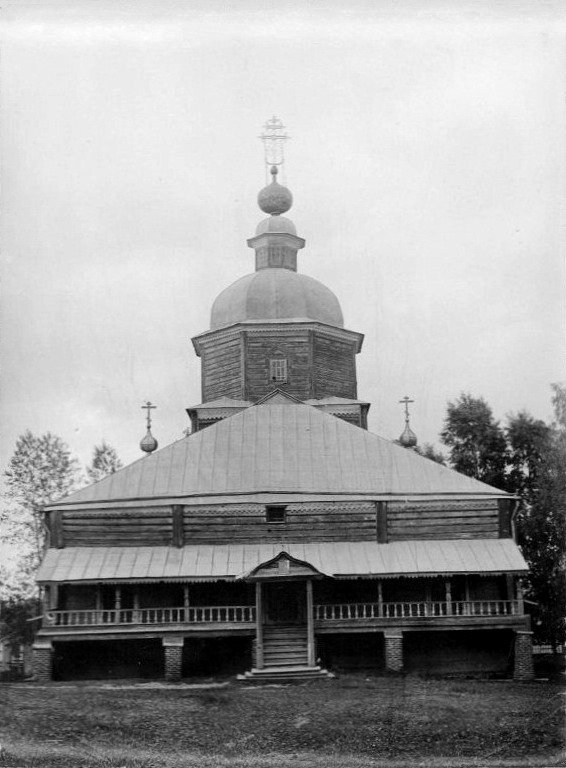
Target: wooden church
<point>281,539</point>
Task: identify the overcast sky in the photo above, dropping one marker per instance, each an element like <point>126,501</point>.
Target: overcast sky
<point>426,162</point>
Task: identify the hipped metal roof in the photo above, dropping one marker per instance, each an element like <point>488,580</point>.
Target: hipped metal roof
<point>280,448</point>
<point>228,561</point>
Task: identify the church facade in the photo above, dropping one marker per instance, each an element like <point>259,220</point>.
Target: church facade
<point>281,539</point>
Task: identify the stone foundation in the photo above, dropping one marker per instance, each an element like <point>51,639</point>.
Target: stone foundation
<point>173,651</point>
<point>42,662</point>
<point>393,652</point>
<point>523,666</point>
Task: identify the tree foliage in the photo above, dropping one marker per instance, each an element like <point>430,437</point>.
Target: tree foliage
<point>105,462</point>
<point>542,523</point>
<point>476,441</point>
<point>529,441</point>
<point>429,452</point>
<point>41,470</point>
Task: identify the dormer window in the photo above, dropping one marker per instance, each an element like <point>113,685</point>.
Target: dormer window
<point>275,514</point>
<point>278,369</point>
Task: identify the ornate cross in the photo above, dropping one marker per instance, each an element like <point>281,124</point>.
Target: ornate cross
<point>406,400</point>
<point>274,138</point>
<point>148,407</point>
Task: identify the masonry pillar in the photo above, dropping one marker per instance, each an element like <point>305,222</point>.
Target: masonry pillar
<point>42,662</point>
<point>173,652</point>
<point>393,651</point>
<point>523,666</point>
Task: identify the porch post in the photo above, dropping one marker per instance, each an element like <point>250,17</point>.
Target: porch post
<point>310,625</point>
<point>467,610</point>
<point>428,598</point>
<point>186,601</point>
<point>393,650</point>
<point>379,598</point>
<point>258,627</point>
<point>520,602</point>
<point>117,603</point>
<point>42,661</point>
<point>523,663</point>
<point>448,586</point>
<point>136,605</point>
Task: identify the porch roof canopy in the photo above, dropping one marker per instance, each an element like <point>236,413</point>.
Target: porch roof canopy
<point>230,561</point>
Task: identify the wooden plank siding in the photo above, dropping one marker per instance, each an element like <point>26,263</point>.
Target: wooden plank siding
<point>118,528</point>
<point>334,368</point>
<point>292,347</point>
<point>245,523</point>
<point>443,520</point>
<point>222,368</point>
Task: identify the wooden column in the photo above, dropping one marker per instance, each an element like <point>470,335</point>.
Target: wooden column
<point>310,625</point>
<point>428,598</point>
<point>136,606</point>
<point>448,587</point>
<point>98,598</point>
<point>467,596</point>
<point>521,606</point>
<point>46,601</point>
<point>379,597</point>
<point>258,627</point>
<point>117,603</point>
<point>186,600</point>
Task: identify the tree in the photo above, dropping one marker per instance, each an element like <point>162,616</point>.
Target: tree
<point>429,452</point>
<point>529,441</point>
<point>476,441</point>
<point>105,462</point>
<point>41,470</point>
<point>542,530</point>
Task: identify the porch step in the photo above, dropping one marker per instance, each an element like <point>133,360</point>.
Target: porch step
<point>290,674</point>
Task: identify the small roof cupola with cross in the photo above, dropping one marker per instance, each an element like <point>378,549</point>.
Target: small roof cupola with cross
<point>408,439</point>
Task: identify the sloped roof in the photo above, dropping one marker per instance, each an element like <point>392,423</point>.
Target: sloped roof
<point>359,558</point>
<point>280,448</point>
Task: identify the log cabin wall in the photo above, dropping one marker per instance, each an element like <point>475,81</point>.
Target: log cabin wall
<point>221,367</point>
<point>295,348</point>
<point>443,520</point>
<point>130,527</point>
<point>334,367</point>
<point>177,525</point>
<point>246,523</point>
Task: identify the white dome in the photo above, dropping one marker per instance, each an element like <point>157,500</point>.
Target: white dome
<point>276,294</point>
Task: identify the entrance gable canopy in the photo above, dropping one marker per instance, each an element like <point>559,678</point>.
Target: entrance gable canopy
<point>283,566</point>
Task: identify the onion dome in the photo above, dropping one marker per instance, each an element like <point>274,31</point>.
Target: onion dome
<point>408,438</point>
<point>149,443</point>
<point>275,198</point>
<point>276,294</point>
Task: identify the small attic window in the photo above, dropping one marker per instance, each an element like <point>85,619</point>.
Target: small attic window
<point>278,369</point>
<point>275,514</point>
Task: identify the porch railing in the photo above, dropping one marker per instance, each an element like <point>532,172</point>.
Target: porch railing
<point>215,614</point>
<point>360,611</point>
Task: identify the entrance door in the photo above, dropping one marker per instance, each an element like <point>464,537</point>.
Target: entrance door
<point>284,602</point>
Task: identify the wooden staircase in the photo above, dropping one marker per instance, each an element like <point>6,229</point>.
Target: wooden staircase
<point>285,656</point>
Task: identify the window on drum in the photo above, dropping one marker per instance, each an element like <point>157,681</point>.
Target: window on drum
<point>278,369</point>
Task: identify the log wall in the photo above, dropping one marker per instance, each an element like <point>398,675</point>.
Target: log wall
<point>221,369</point>
<point>334,368</point>
<point>243,523</point>
<point>443,520</point>
<point>118,528</point>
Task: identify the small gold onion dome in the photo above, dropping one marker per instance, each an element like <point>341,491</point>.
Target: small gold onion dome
<point>275,199</point>
<point>149,443</point>
<point>408,439</point>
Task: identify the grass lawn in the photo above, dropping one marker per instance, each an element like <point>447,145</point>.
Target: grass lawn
<point>354,721</point>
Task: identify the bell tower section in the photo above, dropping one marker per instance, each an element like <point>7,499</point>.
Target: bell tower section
<point>277,328</point>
